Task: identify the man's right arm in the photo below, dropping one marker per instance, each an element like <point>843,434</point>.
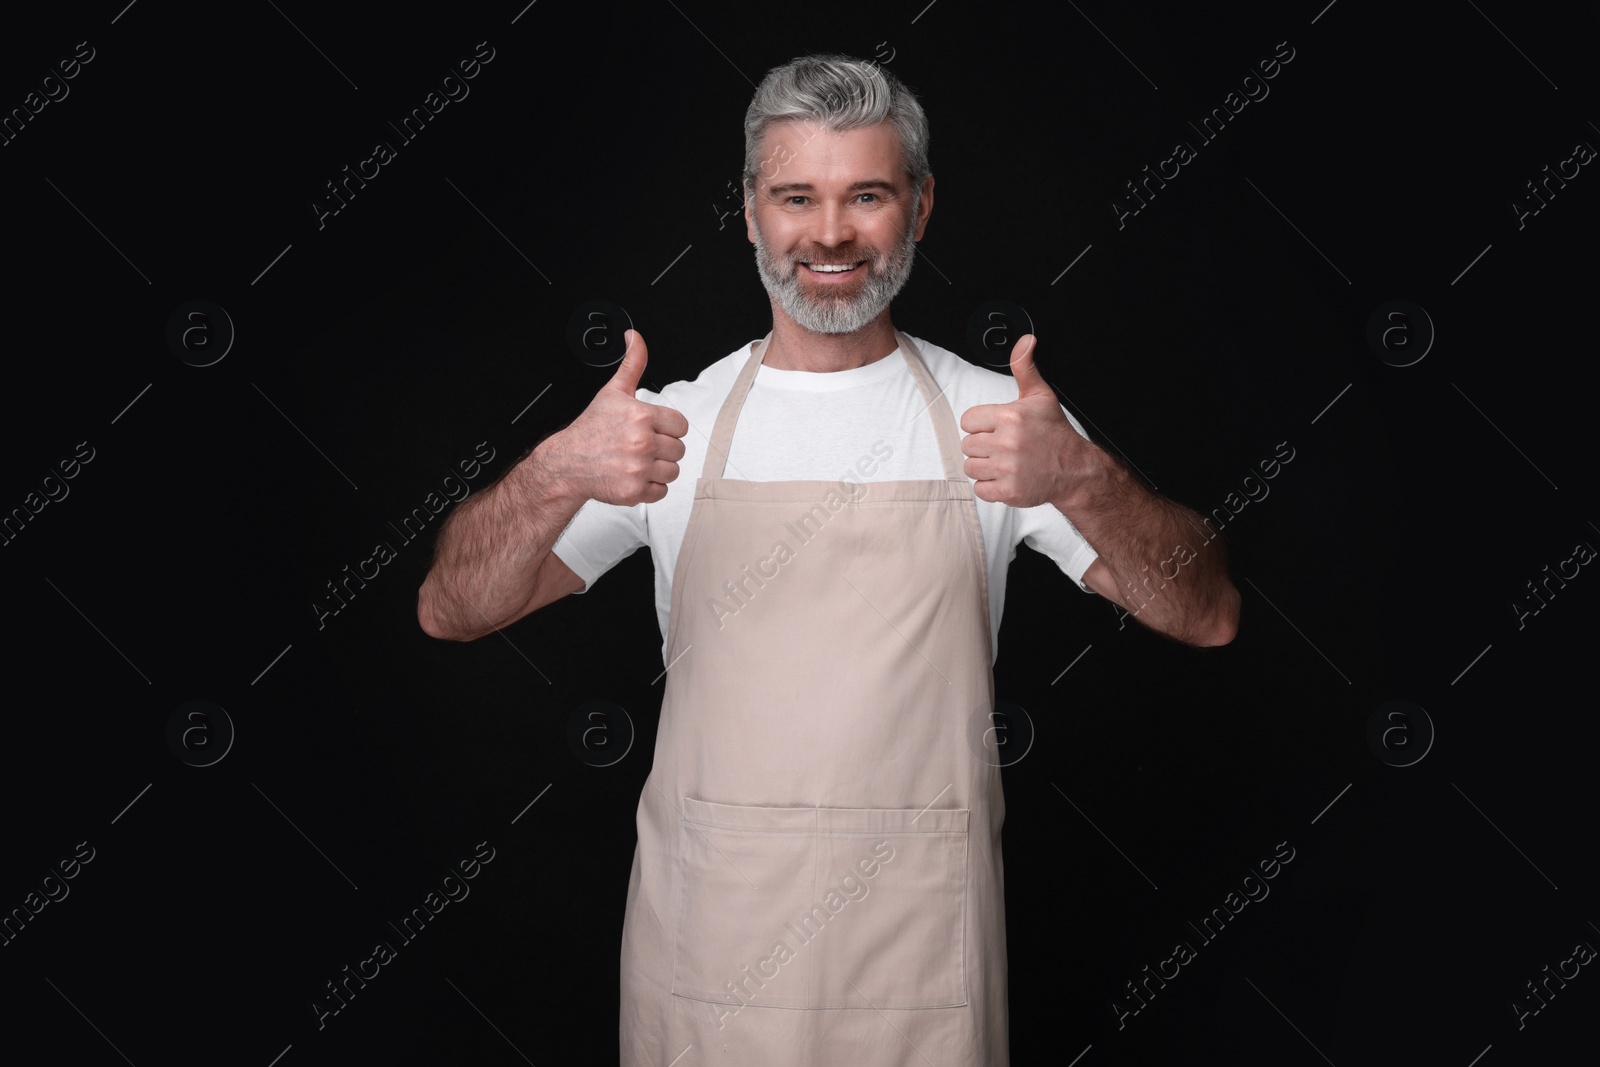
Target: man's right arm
<point>493,563</point>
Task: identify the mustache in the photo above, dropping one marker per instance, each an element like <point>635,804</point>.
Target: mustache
<point>836,258</point>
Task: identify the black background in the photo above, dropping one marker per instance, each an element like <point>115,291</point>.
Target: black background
<point>382,347</point>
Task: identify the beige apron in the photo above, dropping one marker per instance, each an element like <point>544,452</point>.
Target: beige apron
<point>818,876</point>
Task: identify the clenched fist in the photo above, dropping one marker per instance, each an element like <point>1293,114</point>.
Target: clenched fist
<point>1024,453</point>
<point>621,450</point>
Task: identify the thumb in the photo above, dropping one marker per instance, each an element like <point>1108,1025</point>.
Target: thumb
<point>632,366</point>
<point>1029,381</point>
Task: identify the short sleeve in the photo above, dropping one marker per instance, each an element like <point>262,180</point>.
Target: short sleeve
<point>599,537</point>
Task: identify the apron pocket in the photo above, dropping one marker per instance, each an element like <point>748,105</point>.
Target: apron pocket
<point>821,907</point>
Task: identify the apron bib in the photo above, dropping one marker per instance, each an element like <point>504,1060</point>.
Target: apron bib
<point>818,876</point>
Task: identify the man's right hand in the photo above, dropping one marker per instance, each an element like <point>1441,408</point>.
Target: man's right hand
<point>621,450</point>
<point>493,563</point>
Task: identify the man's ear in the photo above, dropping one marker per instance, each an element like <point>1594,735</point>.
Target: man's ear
<point>749,222</point>
<point>924,208</point>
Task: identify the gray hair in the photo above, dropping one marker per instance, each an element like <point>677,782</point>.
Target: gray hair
<point>840,93</point>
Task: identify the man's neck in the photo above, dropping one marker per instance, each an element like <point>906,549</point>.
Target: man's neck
<point>793,347</point>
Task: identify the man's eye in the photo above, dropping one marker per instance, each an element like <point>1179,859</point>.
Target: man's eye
<point>869,197</point>
<point>796,200</point>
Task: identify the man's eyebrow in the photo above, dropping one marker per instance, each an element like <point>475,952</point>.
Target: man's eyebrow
<point>871,184</point>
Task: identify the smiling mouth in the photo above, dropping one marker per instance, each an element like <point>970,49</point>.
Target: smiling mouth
<point>832,268</point>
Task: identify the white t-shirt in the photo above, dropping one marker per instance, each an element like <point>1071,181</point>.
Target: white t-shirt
<point>865,424</point>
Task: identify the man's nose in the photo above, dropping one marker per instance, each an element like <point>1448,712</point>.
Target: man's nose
<point>835,226</point>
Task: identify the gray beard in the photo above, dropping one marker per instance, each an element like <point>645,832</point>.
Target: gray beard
<point>886,276</point>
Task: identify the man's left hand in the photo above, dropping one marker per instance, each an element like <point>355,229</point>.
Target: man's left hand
<point>1023,453</point>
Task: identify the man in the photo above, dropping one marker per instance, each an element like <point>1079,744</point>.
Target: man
<point>818,877</point>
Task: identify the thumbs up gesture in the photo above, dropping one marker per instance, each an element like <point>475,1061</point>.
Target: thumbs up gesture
<point>621,450</point>
<point>1024,453</point>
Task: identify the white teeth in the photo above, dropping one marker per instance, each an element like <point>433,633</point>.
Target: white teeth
<point>832,268</point>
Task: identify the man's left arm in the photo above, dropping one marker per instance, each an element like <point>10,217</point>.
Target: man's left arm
<point>1027,453</point>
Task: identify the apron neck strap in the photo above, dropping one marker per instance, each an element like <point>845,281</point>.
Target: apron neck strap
<point>944,423</point>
